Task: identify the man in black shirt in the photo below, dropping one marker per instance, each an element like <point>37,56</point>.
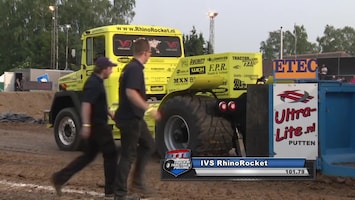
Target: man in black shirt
<point>95,130</point>
<point>133,128</point>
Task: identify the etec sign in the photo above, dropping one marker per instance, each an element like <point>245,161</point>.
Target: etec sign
<point>295,69</point>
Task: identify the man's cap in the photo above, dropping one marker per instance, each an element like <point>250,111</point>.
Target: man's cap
<point>104,62</point>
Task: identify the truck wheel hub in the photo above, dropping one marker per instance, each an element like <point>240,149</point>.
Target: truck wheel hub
<point>180,136</point>
<point>67,131</point>
<point>176,133</point>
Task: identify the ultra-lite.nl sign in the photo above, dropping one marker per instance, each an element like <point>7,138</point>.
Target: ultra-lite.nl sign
<point>295,120</point>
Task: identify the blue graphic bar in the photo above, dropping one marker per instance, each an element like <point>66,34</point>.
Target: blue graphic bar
<point>233,162</point>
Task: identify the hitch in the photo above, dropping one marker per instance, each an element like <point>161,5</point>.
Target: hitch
<point>239,144</point>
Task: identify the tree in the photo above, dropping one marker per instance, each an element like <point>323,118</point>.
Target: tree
<point>271,47</point>
<point>295,42</point>
<point>26,27</point>
<point>83,14</point>
<point>337,40</point>
<point>125,8</point>
<point>194,43</point>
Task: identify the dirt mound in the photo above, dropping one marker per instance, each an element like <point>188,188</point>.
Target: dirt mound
<point>29,103</point>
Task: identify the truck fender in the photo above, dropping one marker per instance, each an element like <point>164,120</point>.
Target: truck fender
<point>64,99</point>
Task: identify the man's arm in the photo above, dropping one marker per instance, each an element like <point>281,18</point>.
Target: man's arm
<point>85,119</point>
<point>134,96</point>
<point>85,112</point>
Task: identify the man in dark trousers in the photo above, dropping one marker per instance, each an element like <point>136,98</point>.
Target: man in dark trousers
<point>137,143</point>
<point>95,131</point>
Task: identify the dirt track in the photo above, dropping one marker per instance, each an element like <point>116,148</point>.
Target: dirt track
<point>28,156</point>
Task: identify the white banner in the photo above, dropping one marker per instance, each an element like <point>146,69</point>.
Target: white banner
<point>295,120</point>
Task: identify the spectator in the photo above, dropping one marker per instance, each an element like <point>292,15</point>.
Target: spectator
<point>323,72</point>
<point>352,80</point>
<point>19,84</point>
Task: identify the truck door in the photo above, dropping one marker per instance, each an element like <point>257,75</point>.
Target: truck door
<point>95,47</point>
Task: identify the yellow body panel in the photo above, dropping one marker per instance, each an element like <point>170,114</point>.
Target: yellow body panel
<point>227,73</point>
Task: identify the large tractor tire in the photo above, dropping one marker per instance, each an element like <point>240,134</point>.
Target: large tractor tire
<point>67,130</point>
<point>189,122</point>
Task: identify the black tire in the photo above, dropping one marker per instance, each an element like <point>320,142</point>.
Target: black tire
<point>67,126</point>
<point>189,122</point>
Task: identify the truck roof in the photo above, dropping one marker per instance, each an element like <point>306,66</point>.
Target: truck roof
<point>135,29</point>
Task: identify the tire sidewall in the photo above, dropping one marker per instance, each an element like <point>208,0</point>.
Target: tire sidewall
<point>170,108</point>
<point>71,113</point>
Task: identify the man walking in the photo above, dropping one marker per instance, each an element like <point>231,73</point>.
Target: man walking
<point>137,143</point>
<point>95,130</point>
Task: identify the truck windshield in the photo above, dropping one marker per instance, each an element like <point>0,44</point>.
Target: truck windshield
<point>162,46</point>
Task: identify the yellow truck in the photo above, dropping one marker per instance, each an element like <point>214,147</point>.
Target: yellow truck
<point>202,98</point>
<point>115,42</point>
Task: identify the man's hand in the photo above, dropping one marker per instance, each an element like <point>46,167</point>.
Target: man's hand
<point>85,132</point>
<point>111,114</point>
<point>154,113</point>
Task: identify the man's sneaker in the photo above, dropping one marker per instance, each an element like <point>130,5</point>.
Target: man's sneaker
<point>57,186</point>
<point>143,190</point>
<point>127,197</point>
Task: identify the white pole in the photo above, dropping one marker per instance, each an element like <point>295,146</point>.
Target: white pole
<point>295,41</point>
<point>56,38</point>
<point>53,40</point>
<point>281,43</point>
<point>211,15</point>
<point>53,43</point>
<point>67,26</point>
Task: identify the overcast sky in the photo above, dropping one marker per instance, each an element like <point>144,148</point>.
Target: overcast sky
<point>241,25</point>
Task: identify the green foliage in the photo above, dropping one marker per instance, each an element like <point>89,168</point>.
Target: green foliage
<point>296,42</point>
<point>337,40</point>
<point>271,47</point>
<point>26,28</point>
<point>194,43</point>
